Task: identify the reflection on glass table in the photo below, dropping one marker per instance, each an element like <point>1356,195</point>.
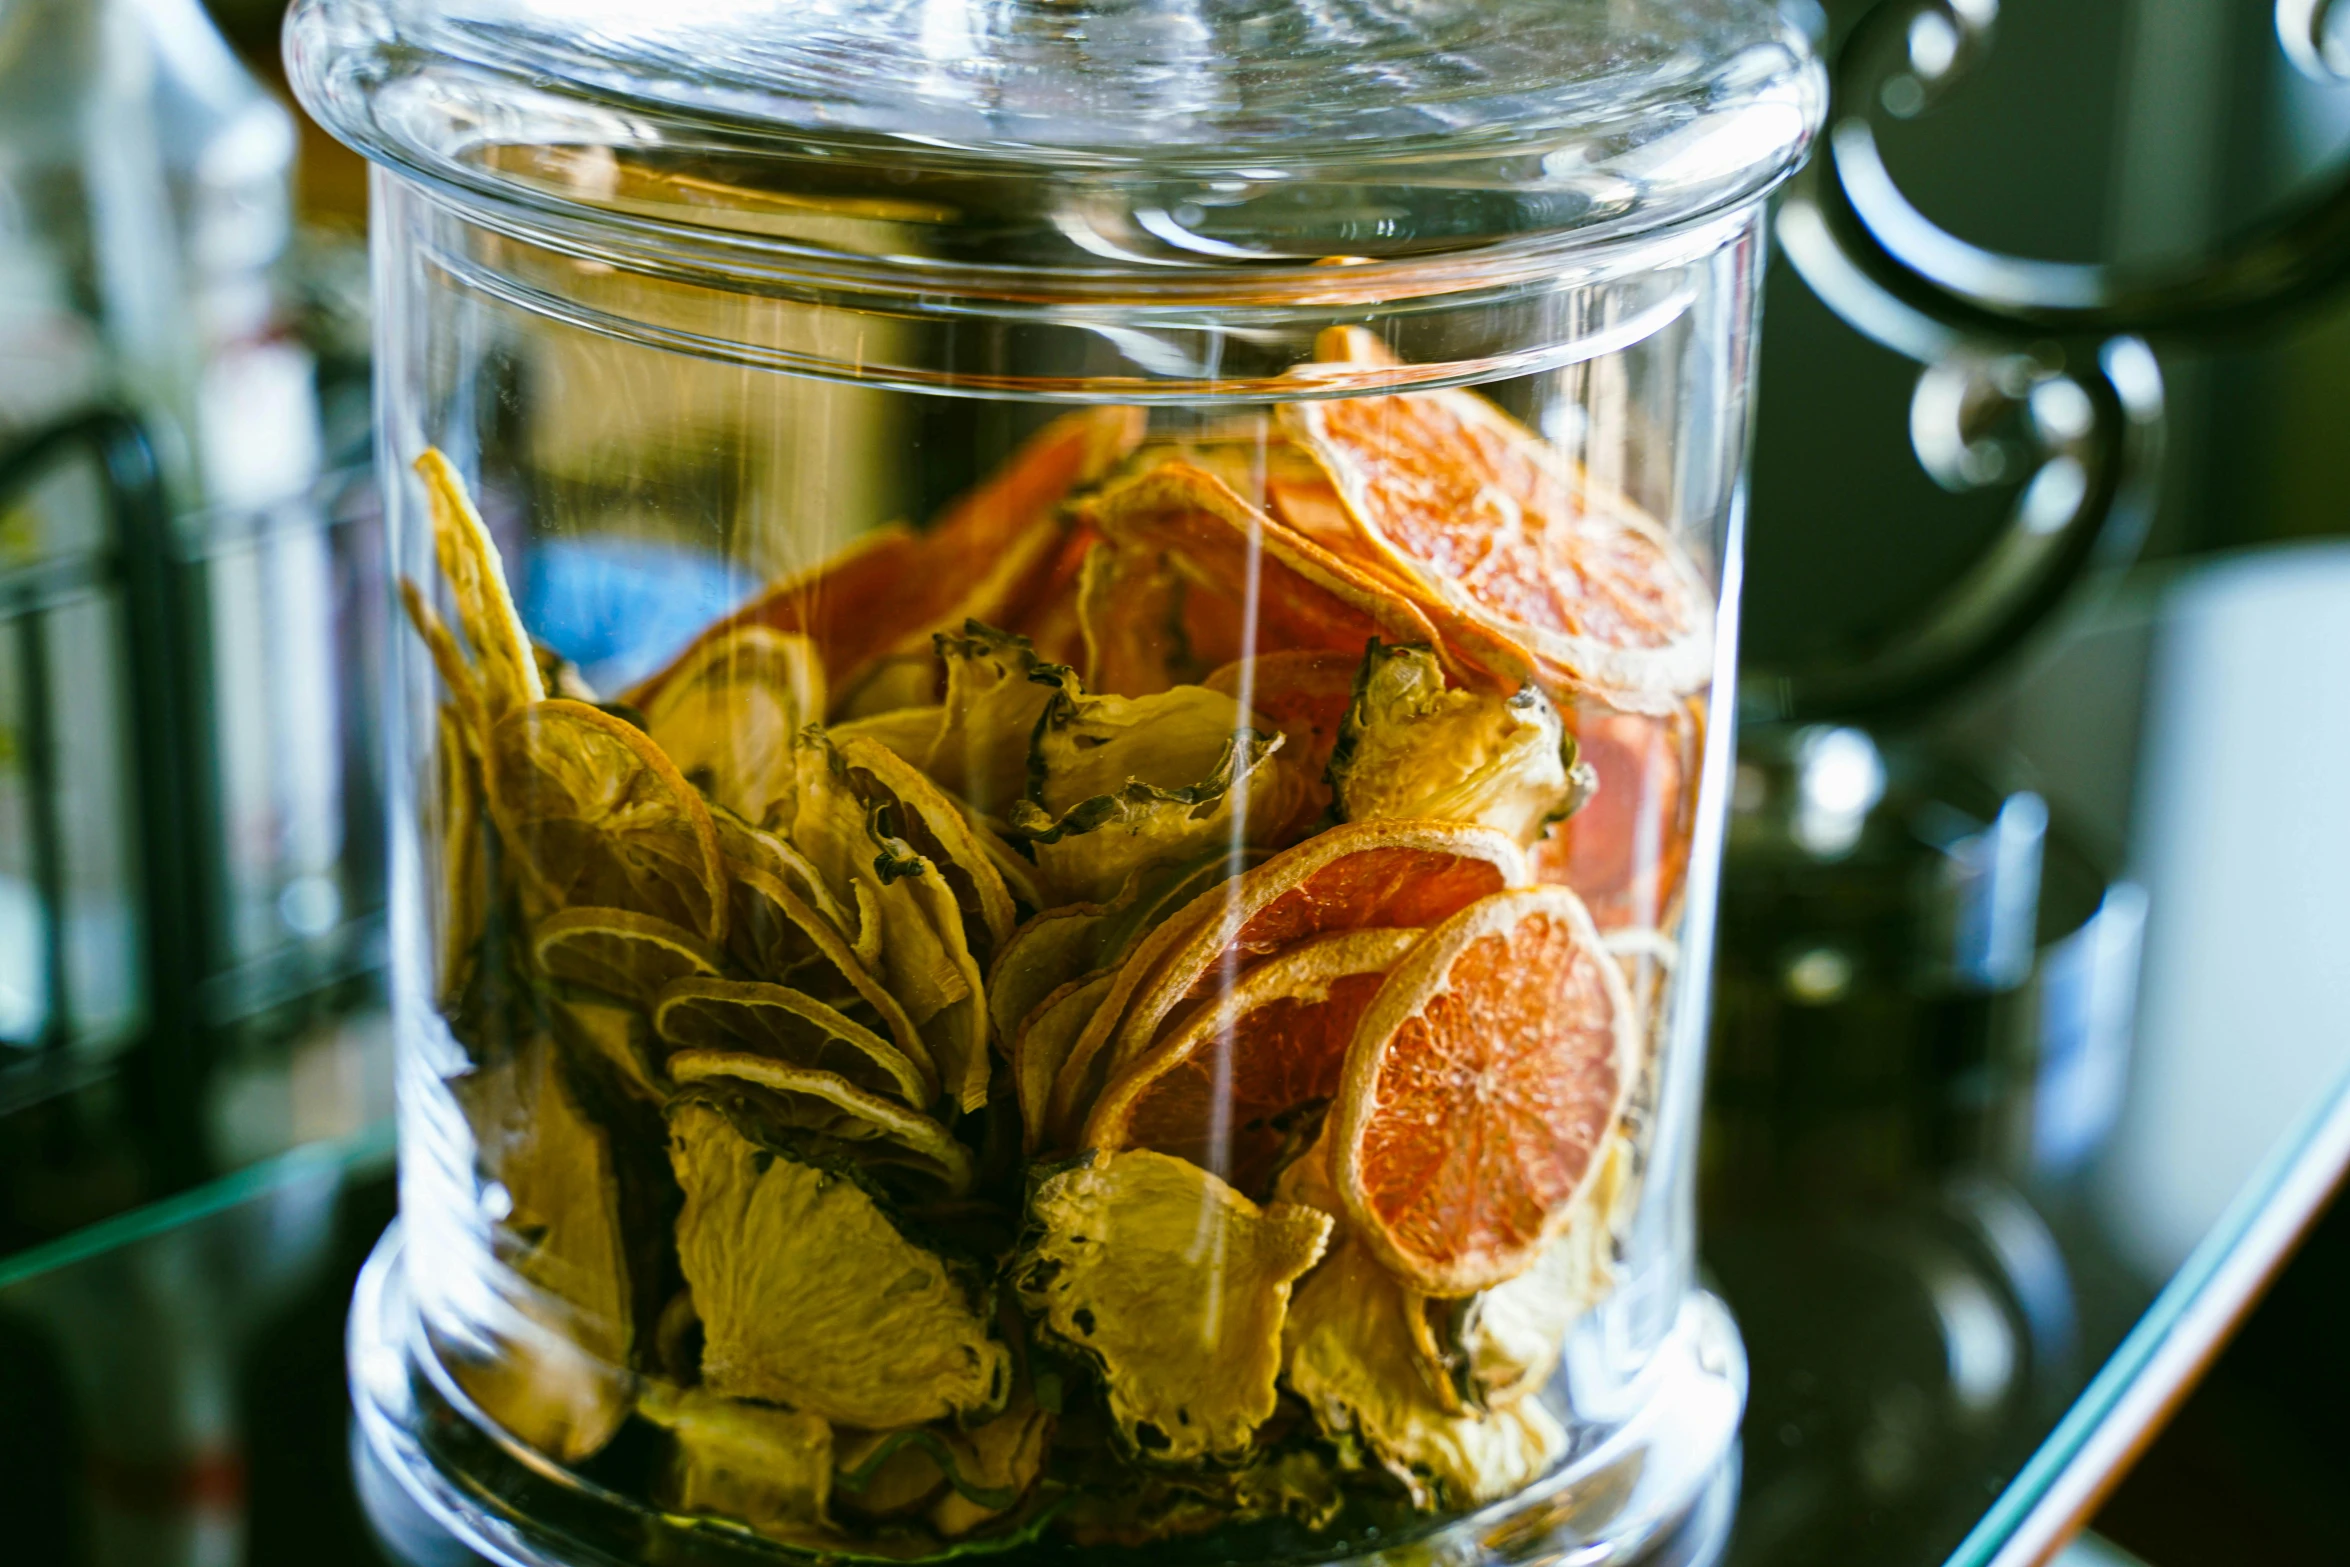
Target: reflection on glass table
<point>2028,1071</point>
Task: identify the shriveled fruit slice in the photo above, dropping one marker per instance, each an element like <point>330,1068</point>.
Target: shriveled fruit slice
<point>1175,1285</point>
<point>786,1026</point>
<point>1130,607</point>
<point>1304,694</point>
<point>831,1105</point>
<point>1305,596</point>
<point>1348,1354</point>
<point>1410,747</point>
<point>469,559</point>
<point>1451,492</point>
<point>1040,1045</point>
<point>1480,1090</point>
<point>447,659</point>
<point>1626,851</point>
<point>759,1465</point>
<point>922,955</point>
<point>598,816</point>
<point>618,951</point>
<point>810,1290</point>
<point>728,713</point>
<point>996,690</point>
<point>1353,877</point>
<point>1241,1084</point>
<point>770,918</point>
<point>1120,786</point>
<point>909,731</point>
<point>939,832</point>
<point>464,867</point>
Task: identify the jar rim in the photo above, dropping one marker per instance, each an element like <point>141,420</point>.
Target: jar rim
<point>616,171</point>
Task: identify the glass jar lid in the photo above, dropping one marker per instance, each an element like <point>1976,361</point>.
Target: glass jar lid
<point>1082,139</point>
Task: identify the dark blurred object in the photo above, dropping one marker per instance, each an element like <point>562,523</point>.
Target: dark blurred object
<point>190,870</point>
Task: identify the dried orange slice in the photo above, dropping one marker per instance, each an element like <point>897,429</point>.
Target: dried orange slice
<point>1459,498</point>
<point>829,1104</point>
<point>728,714</point>
<point>1305,597</point>
<point>1241,1081</point>
<point>599,816</point>
<point>1041,1044</point>
<point>1480,1090</point>
<point>1353,877</point>
<point>618,951</point>
<point>784,1025</point>
<point>469,559</point>
<point>1627,850</point>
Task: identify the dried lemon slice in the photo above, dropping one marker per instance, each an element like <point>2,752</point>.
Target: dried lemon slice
<point>1480,1090</point>
<point>619,951</point>
<point>783,1024</point>
<point>469,559</point>
<point>1042,1041</point>
<point>728,714</point>
<point>1240,1085</point>
<point>830,1105</point>
<point>598,816</point>
<point>759,1465</point>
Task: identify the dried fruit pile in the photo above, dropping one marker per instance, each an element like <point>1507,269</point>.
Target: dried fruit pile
<point>968,1049</point>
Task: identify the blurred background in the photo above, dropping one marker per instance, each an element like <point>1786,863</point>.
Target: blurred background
<point>2023,993</point>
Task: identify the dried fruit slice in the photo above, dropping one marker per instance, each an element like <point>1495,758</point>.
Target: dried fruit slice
<point>810,1291</point>
<point>463,909</point>
<point>784,1025</point>
<point>1238,1088</point>
<point>830,1105</point>
<point>762,1466</point>
<point>597,815</point>
<point>729,711</point>
<point>447,659</point>
<point>619,951</point>
<point>1041,1044</point>
<point>921,953</point>
<point>1348,1354</point>
<point>1305,596</point>
<point>1480,1089</point>
<point>1626,852</point>
<point>1131,607</point>
<point>1176,1286</point>
<point>996,690</point>
<point>1353,877</point>
<point>1411,748</point>
<point>469,559</point>
<point>917,812</point>
<point>1304,694</point>
<point>1488,519</point>
<point>1120,787</point>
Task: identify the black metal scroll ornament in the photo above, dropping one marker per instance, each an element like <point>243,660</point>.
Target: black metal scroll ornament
<point>2037,371</point>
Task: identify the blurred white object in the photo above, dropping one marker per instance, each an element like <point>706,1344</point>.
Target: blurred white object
<point>2242,842</point>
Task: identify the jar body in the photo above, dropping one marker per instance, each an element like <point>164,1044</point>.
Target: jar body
<point>1036,927</point>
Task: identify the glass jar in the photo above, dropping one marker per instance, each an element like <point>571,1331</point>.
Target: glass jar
<point>1061,766</point>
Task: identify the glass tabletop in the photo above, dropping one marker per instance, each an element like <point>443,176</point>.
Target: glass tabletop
<point>1984,1195</point>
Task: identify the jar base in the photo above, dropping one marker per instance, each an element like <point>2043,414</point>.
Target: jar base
<point>1658,1490</point>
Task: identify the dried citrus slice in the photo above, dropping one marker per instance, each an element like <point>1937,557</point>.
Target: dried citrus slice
<point>1305,596</point>
<point>728,713</point>
<point>599,816</point>
<point>464,686</point>
<point>1626,851</point>
<point>1480,1090</point>
<point>1130,610</point>
<point>783,1024</point>
<point>465,864</point>
<point>1457,496</point>
<point>1353,877</point>
<point>469,558</point>
<point>1304,694</point>
<point>1041,1044</point>
<point>618,951</point>
<point>827,1103</point>
<point>1241,1081</point>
